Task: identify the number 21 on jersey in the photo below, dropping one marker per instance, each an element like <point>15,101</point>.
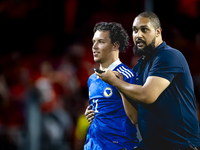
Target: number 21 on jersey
<point>95,105</point>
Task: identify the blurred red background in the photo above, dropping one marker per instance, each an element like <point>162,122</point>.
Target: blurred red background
<point>46,59</point>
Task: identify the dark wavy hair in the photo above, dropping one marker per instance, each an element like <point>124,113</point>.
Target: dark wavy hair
<point>117,33</point>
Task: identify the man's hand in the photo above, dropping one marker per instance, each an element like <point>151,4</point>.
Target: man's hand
<point>118,75</point>
<point>109,76</point>
<point>89,114</point>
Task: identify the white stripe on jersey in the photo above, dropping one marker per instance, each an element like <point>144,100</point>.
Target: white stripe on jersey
<point>125,72</point>
<point>128,71</point>
<point>122,73</point>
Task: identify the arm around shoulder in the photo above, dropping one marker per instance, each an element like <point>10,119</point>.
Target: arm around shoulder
<point>148,93</point>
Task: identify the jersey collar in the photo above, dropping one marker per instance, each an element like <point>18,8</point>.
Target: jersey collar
<point>114,64</point>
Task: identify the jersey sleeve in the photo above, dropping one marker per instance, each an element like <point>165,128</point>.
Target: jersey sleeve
<point>131,80</point>
<point>130,77</point>
<point>166,65</point>
<point>90,80</point>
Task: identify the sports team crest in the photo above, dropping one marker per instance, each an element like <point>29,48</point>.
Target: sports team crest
<point>107,92</point>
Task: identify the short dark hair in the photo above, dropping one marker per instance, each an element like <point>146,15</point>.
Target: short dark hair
<point>117,33</point>
<point>152,17</point>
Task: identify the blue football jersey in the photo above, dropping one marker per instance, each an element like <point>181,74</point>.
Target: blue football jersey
<point>111,128</point>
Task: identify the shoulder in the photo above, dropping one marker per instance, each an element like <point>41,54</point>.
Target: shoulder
<point>170,55</point>
<point>92,78</point>
<point>169,51</point>
<point>126,71</point>
<point>167,60</point>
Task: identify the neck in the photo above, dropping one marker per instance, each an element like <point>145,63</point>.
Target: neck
<point>107,63</point>
<point>159,41</point>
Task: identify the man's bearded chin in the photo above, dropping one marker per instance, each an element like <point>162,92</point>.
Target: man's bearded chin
<point>146,50</point>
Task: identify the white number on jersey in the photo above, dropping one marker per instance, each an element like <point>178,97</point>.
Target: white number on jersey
<point>95,105</point>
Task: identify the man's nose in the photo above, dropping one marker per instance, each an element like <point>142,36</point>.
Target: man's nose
<point>139,34</point>
<point>94,46</point>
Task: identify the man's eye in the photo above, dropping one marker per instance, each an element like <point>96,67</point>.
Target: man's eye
<point>135,30</point>
<point>144,29</point>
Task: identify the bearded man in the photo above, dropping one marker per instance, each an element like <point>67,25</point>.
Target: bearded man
<point>164,90</point>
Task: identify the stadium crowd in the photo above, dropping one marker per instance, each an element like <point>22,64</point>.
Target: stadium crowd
<point>46,59</point>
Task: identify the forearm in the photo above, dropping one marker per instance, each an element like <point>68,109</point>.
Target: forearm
<point>133,91</point>
<point>131,112</point>
<point>147,93</point>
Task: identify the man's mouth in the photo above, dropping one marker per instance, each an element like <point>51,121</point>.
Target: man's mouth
<point>140,43</point>
<point>95,54</point>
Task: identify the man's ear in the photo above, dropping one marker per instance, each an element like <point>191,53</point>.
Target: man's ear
<point>158,32</point>
<point>116,45</point>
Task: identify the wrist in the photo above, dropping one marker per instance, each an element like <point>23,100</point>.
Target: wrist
<point>115,82</point>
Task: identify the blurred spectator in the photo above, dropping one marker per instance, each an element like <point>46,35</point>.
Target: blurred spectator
<point>46,59</point>
<point>81,128</point>
<point>56,121</point>
<point>44,84</point>
<point>13,93</point>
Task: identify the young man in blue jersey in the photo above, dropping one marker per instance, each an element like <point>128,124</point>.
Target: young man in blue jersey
<point>111,128</point>
<point>164,92</point>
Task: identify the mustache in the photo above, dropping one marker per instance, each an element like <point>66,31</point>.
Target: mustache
<point>140,41</point>
<point>147,50</point>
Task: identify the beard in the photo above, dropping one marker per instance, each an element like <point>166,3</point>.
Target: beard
<point>146,50</point>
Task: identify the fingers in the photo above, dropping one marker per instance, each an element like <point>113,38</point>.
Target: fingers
<point>90,117</point>
<point>118,75</point>
<point>100,74</point>
<point>89,114</point>
<point>87,110</point>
